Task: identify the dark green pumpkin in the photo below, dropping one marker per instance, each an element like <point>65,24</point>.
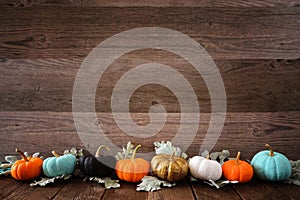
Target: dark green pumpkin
<point>97,165</point>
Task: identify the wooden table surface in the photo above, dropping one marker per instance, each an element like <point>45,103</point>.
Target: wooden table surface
<point>76,189</point>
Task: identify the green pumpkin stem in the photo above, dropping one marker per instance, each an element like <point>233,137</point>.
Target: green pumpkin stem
<point>22,154</point>
<point>97,155</point>
<point>271,149</point>
<point>238,158</point>
<point>55,154</point>
<point>134,152</point>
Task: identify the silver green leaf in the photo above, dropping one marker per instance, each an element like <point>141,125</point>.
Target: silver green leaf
<point>5,169</point>
<point>192,179</point>
<point>151,183</point>
<point>108,182</point>
<point>36,155</point>
<point>5,165</point>
<point>217,184</point>
<point>126,152</point>
<point>224,154</point>
<point>295,176</point>
<point>45,181</point>
<point>220,183</point>
<point>214,155</point>
<point>5,172</point>
<point>76,152</point>
<point>11,159</point>
<point>168,148</point>
<point>205,153</point>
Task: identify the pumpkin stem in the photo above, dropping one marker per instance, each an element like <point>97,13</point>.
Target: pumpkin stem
<point>238,158</point>
<point>22,154</point>
<point>207,157</point>
<point>55,154</point>
<point>134,152</point>
<point>271,149</point>
<point>97,155</point>
<point>172,156</point>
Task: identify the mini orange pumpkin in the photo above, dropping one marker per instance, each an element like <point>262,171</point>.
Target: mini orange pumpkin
<point>237,170</point>
<point>134,169</point>
<point>26,168</point>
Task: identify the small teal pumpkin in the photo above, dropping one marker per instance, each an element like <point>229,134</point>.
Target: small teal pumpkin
<point>59,165</point>
<point>271,166</point>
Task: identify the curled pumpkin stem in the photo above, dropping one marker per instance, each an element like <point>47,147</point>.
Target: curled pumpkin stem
<point>134,152</point>
<point>271,149</point>
<point>22,154</point>
<point>55,154</point>
<point>238,158</point>
<point>97,155</point>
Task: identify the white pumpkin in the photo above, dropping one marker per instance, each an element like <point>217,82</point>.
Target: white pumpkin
<point>205,169</point>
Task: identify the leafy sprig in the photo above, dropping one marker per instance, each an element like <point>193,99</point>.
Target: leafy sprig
<point>126,152</point>
<point>107,181</point>
<point>168,148</point>
<point>151,183</point>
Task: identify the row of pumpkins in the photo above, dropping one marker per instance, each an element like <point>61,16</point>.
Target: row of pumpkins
<point>266,165</point>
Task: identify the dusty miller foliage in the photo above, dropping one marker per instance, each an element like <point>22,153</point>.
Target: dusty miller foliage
<point>151,183</point>
<point>218,156</point>
<point>295,177</point>
<point>168,148</point>
<point>107,181</point>
<point>126,152</point>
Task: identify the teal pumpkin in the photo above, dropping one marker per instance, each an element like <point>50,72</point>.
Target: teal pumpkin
<point>59,165</point>
<point>271,166</point>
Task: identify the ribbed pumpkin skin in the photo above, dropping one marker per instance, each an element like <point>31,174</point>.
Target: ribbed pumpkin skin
<point>242,172</point>
<point>271,168</point>
<point>54,166</point>
<point>170,168</point>
<point>22,170</point>
<point>205,169</point>
<point>92,166</point>
<point>132,170</point>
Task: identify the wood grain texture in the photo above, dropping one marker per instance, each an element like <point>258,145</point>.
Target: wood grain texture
<point>151,3</point>
<point>246,132</point>
<point>202,191</point>
<point>76,189</point>
<point>182,190</point>
<point>251,85</point>
<point>8,186</point>
<point>288,190</point>
<point>261,190</point>
<point>22,190</point>
<point>69,32</point>
<point>127,191</point>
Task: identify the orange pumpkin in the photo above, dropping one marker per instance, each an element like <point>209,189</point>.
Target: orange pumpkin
<point>237,170</point>
<point>134,169</point>
<point>26,168</point>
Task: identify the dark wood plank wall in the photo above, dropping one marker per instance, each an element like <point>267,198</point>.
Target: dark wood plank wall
<point>255,45</point>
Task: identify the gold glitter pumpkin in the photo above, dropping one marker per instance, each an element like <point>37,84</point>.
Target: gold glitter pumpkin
<point>169,167</point>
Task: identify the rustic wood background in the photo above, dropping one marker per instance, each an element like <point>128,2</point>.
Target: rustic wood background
<point>255,45</point>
